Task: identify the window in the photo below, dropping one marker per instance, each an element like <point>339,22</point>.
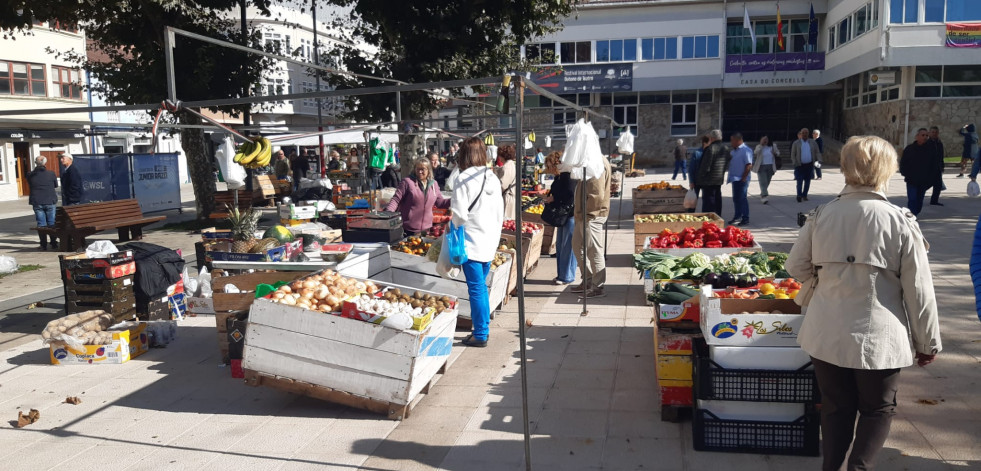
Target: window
<point>738,40</point>
<point>861,21</point>
<point>306,49</point>
<point>963,10</point>
<point>616,50</point>
<point>20,78</point>
<point>948,81</point>
<point>276,43</point>
<point>697,47</point>
<point>934,11</point>
<point>684,112</point>
<point>277,86</point>
<point>576,52</point>
<point>543,53</point>
<point>67,82</point>
<point>859,91</point>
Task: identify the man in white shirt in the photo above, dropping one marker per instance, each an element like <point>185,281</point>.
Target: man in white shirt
<point>803,153</point>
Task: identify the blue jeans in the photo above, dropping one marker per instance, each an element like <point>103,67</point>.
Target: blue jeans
<point>740,201</point>
<point>45,216</point>
<point>682,166</point>
<point>803,176</point>
<point>914,197</point>
<point>476,274</point>
<point>565,258</point>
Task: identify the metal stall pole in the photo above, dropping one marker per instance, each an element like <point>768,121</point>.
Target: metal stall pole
<point>585,236</point>
<point>622,175</point>
<point>519,89</point>
<point>320,113</point>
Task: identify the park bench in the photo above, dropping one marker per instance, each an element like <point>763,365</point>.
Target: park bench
<point>76,222</point>
<point>226,199</point>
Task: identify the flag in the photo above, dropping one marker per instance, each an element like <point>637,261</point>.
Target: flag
<point>748,25</point>
<point>779,30</point>
<point>812,31</point>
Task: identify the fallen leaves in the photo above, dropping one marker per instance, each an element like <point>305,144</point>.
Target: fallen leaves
<point>928,402</point>
<point>73,400</point>
<point>31,417</point>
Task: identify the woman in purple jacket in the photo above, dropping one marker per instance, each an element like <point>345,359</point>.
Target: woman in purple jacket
<point>415,198</point>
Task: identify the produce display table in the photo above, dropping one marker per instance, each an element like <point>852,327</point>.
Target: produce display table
<point>548,237</point>
<point>644,230</point>
<point>345,361</point>
<point>418,272</point>
<point>531,247</point>
<point>364,261</point>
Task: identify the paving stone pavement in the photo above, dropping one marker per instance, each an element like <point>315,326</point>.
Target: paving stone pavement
<point>591,390</point>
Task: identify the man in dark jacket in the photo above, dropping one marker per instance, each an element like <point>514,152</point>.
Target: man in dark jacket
<point>300,166</point>
<point>937,148</point>
<point>42,183</point>
<point>712,172</point>
<point>916,166</point>
<point>71,181</point>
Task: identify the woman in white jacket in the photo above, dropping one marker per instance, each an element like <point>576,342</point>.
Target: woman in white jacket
<point>872,307</point>
<point>479,208</point>
<point>765,165</point>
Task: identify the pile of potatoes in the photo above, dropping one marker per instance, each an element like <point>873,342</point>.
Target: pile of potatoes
<point>88,327</point>
<point>324,292</point>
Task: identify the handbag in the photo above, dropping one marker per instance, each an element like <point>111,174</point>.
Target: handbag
<point>455,239</point>
<point>557,214</point>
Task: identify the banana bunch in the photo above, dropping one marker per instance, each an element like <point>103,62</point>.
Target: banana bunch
<point>489,139</point>
<point>255,153</point>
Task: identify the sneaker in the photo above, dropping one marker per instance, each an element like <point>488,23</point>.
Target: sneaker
<point>805,198</point>
<point>595,293</point>
<point>744,222</point>
<point>579,288</point>
<point>470,341</point>
<point>560,282</point>
<point>733,222</point>
<point>765,200</point>
<point>798,199</point>
<point>960,175</point>
<point>936,204</point>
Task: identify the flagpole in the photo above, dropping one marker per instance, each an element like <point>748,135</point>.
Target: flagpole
<point>778,41</point>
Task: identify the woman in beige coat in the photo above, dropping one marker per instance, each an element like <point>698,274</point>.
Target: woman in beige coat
<point>872,307</point>
<point>507,173</point>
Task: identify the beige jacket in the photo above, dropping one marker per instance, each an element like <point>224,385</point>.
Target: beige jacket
<point>795,152</point>
<point>507,174</point>
<point>874,302</point>
<point>597,195</point>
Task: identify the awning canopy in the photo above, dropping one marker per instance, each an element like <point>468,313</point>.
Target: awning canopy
<point>333,138</point>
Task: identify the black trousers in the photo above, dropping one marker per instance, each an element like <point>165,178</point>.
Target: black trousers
<point>937,188</point>
<point>845,392</point>
<point>712,199</point>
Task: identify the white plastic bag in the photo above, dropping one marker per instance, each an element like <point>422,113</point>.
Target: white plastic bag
<point>491,154</point>
<point>8,265</point>
<point>190,283</point>
<point>444,268</point>
<point>204,283</point>
<point>691,200</point>
<point>234,173</point>
<point>100,249</point>
<point>973,189</point>
<point>399,320</point>
<point>817,164</point>
<point>583,157</point>
<point>625,144</point>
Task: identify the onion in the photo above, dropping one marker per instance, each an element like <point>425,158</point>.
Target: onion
<point>332,300</point>
<point>289,300</point>
<point>296,285</point>
<point>278,295</point>
<point>322,292</point>
<point>306,293</point>
<point>309,284</point>
<point>360,286</point>
<point>286,289</point>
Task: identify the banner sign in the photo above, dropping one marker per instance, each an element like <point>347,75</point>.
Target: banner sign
<point>774,62</point>
<point>156,181</point>
<point>963,34</point>
<point>586,78</point>
<point>96,174</point>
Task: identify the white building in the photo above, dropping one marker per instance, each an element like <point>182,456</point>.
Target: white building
<point>868,67</point>
<point>32,78</point>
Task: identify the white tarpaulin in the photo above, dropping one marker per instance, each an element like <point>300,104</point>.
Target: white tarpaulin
<point>333,138</point>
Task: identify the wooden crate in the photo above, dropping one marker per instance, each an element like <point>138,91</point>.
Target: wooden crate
<point>418,272</point>
<point>531,248</point>
<point>659,201</point>
<point>342,360</point>
<point>656,227</point>
<point>548,237</point>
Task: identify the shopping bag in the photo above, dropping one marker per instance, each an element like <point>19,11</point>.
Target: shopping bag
<point>556,215</point>
<point>444,268</point>
<point>691,200</point>
<point>973,189</point>
<point>455,244</point>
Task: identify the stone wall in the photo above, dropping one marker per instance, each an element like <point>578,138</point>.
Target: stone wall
<point>888,120</point>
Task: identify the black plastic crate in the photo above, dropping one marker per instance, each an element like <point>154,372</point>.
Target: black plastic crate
<point>712,381</point>
<point>799,437</point>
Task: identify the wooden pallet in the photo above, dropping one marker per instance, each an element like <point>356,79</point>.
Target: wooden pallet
<point>392,410</point>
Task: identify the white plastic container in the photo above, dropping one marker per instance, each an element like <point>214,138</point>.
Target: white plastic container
<point>759,358</point>
<point>762,411</point>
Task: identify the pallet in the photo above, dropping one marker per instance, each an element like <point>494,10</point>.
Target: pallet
<point>675,414</point>
<point>392,410</point>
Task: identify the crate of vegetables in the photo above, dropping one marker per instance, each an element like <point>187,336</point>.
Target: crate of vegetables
<point>709,239</point>
<point>647,225</point>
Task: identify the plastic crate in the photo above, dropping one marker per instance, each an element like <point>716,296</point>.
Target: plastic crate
<point>799,437</point>
<point>717,383</point>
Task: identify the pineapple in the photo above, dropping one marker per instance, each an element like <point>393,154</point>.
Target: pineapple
<point>244,224</point>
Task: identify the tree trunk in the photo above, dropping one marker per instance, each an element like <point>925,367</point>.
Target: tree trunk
<point>199,166</point>
<point>411,147</point>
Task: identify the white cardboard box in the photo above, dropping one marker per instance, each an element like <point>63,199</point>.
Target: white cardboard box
<point>752,358</point>
<point>745,410</point>
<point>198,305</point>
<point>732,322</point>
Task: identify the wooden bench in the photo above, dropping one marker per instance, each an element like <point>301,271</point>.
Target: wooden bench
<point>226,199</point>
<point>76,222</point>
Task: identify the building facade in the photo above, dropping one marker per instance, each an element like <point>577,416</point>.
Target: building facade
<point>33,78</point>
<point>847,67</point>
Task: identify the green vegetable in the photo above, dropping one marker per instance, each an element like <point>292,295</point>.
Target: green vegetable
<point>781,274</point>
<point>680,288</point>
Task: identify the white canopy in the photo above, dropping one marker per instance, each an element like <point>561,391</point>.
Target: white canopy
<point>332,138</point>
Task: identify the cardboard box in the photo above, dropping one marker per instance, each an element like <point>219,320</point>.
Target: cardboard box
<point>221,250</point>
<point>298,212</point>
<point>675,392</point>
<point>687,311</point>
<point>659,201</point>
<point>125,345</point>
<point>723,323</point>
<point>198,305</point>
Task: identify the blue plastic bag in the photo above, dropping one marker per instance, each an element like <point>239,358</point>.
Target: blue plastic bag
<point>456,244</point>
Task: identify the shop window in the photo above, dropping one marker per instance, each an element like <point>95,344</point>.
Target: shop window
<point>67,82</point>
<point>20,78</point>
<point>859,91</point>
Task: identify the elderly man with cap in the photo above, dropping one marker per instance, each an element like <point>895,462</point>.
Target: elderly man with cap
<point>71,181</point>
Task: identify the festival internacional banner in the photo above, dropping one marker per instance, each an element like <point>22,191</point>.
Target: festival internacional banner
<point>586,78</point>
<point>963,35</point>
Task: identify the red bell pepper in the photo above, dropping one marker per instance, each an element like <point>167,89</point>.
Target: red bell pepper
<point>713,244</point>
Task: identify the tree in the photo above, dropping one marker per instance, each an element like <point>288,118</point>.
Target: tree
<point>130,34</point>
<point>434,40</point>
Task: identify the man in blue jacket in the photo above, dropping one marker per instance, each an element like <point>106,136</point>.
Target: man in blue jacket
<point>71,181</point>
